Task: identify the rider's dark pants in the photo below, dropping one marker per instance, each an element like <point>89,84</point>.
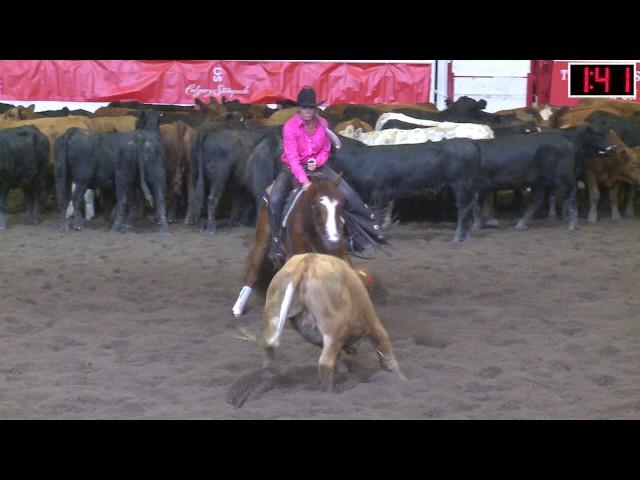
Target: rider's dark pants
<point>358,210</point>
<point>283,184</point>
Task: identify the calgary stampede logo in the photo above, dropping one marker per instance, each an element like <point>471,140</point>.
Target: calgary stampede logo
<point>195,90</point>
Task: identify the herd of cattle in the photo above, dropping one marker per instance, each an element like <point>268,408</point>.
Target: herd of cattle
<point>180,160</point>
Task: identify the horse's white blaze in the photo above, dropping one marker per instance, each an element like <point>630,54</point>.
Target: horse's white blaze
<point>331,225</point>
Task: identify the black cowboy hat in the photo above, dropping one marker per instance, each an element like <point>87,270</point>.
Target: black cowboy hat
<point>307,98</point>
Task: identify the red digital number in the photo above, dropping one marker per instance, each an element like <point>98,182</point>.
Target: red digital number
<point>627,80</point>
<point>604,78</point>
<point>585,78</point>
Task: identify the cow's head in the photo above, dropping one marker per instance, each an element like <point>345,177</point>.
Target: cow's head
<point>469,104</point>
<point>149,120</point>
<point>598,140</point>
<point>20,113</point>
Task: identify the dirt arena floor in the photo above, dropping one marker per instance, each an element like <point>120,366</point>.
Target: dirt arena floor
<point>541,324</point>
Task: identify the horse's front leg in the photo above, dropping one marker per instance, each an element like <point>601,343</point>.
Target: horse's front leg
<point>256,257</point>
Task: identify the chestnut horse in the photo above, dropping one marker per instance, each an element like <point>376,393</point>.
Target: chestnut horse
<point>313,224</point>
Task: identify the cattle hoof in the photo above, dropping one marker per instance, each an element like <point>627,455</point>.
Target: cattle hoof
<point>521,227</point>
<point>592,220</point>
<point>77,227</point>
<point>63,228</point>
<point>212,230</point>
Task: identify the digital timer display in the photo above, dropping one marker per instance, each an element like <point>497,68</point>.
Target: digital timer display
<point>602,80</point>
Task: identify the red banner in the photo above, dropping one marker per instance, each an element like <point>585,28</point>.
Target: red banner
<point>559,89</point>
<point>180,82</point>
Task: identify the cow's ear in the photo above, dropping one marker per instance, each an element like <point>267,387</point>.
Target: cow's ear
<point>31,108</point>
<point>448,102</point>
<point>482,104</point>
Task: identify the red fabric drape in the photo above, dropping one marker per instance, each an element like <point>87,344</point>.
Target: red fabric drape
<point>181,82</point>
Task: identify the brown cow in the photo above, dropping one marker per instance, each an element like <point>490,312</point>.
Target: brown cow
<point>622,107</point>
<point>611,170</point>
<point>577,115</point>
<point>177,138</point>
<point>115,111</point>
<point>541,116</point>
<point>329,306</point>
<point>278,118</point>
<point>122,124</point>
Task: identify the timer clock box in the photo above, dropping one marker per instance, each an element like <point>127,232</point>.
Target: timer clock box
<point>604,80</point>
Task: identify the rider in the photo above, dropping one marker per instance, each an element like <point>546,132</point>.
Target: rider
<point>306,149</point>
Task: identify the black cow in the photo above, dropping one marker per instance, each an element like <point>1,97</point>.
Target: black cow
<point>465,109</point>
<point>387,172</point>
<point>222,159</point>
<point>6,106</point>
<point>627,128</point>
<point>144,106</point>
<point>24,152</point>
<point>545,160</point>
<point>141,157</point>
<point>89,160</point>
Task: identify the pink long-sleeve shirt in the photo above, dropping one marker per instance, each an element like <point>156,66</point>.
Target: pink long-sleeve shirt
<point>299,146</point>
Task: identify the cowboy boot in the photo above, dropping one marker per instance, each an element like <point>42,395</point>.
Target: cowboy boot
<point>361,213</point>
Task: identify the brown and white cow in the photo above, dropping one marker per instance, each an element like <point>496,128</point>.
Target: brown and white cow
<point>611,170</point>
<point>177,138</point>
<point>329,306</point>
